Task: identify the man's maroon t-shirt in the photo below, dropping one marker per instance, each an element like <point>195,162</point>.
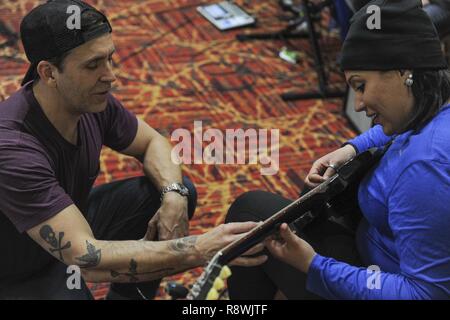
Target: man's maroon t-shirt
<point>41,173</point>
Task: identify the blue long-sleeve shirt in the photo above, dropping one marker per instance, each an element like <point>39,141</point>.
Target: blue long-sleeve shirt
<point>406,225</point>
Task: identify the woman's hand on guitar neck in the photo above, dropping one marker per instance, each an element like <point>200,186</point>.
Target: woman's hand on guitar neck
<point>291,249</point>
<point>324,167</point>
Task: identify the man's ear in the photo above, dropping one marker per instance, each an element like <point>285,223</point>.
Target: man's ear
<point>46,73</point>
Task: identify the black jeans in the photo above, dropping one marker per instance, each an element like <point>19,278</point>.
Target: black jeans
<point>116,211</point>
<point>262,282</point>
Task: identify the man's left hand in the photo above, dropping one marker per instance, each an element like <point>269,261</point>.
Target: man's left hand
<point>171,220</point>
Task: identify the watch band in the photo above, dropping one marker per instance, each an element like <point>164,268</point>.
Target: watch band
<point>175,187</point>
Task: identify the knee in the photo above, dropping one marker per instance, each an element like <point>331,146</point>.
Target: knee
<point>192,198</point>
<point>244,208</point>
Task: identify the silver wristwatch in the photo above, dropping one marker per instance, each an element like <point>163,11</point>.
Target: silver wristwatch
<point>175,187</point>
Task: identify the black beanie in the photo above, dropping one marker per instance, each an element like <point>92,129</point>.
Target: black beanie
<point>407,39</point>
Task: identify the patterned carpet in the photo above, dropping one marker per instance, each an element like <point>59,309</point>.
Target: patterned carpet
<point>175,68</point>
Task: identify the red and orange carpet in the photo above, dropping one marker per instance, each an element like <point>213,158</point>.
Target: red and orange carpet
<point>174,68</point>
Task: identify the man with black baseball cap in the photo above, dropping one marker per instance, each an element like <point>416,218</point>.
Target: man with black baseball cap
<point>45,34</point>
<point>51,134</point>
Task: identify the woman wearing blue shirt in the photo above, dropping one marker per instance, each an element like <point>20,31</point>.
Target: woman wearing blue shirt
<point>401,248</point>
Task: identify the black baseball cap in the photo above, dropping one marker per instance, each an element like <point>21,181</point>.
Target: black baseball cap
<point>46,32</point>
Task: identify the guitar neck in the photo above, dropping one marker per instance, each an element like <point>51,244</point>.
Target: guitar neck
<point>349,173</point>
<point>299,208</point>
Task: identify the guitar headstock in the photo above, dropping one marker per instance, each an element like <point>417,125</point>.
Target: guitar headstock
<point>218,285</point>
<point>211,283</point>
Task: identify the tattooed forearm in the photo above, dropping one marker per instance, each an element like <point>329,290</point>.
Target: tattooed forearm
<point>183,244</point>
<point>134,275</point>
<point>92,258</point>
<point>47,233</point>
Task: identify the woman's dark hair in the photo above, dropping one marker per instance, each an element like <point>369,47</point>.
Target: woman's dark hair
<point>431,90</point>
<point>89,20</point>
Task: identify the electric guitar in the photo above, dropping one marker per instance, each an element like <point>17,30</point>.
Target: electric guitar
<point>335,190</point>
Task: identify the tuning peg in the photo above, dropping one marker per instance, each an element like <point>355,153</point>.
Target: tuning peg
<point>218,284</point>
<point>213,294</point>
<point>225,273</point>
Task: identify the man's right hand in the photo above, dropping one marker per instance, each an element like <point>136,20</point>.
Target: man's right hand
<point>208,244</point>
<point>322,169</point>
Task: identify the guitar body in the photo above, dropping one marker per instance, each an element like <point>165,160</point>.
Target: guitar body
<point>344,207</point>
<point>335,197</point>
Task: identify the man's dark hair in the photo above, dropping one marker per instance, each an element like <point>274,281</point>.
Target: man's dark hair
<point>431,90</point>
<point>58,62</point>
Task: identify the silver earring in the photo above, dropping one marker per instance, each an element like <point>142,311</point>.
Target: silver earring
<point>409,82</point>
